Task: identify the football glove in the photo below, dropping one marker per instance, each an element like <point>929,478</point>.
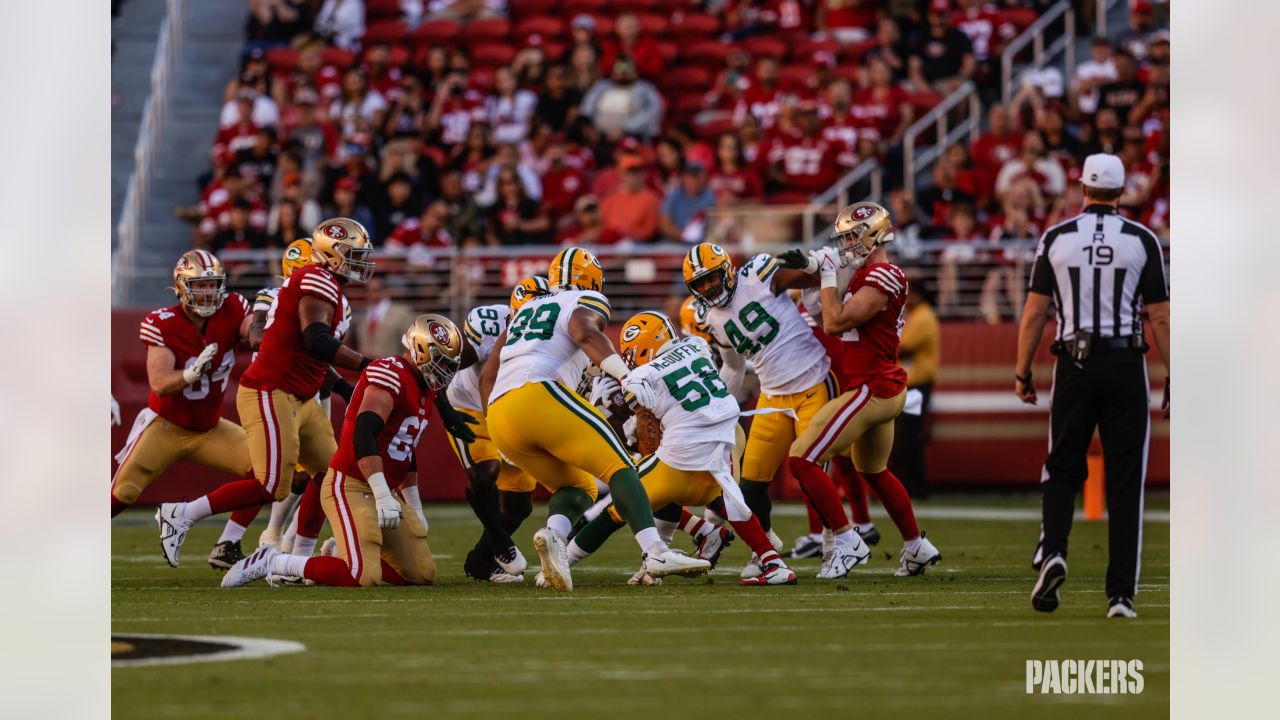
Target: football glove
<point>603,389</point>
<point>201,365</point>
<point>827,260</point>
<point>457,423</point>
<point>387,505</point>
<point>796,260</point>
<point>641,390</point>
<point>115,412</point>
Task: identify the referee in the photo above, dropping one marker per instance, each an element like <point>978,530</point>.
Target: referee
<point>1099,270</point>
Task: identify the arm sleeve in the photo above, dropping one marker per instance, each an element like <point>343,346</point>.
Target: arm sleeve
<point>368,425</point>
<point>321,343</point>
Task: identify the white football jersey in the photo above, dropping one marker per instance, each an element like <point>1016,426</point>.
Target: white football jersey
<point>483,327</point>
<point>769,330</point>
<point>538,347</point>
<point>694,405</point>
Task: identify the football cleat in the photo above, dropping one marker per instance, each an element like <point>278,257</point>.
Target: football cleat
<point>225,554</point>
<point>329,548</point>
<point>870,535</point>
<point>555,559</point>
<point>270,536</point>
<point>843,558</point>
<point>712,545</point>
<point>500,577</point>
<point>642,577</point>
<point>775,573</point>
<point>674,562</point>
<point>173,531</point>
<point>915,563</point>
<point>807,546</point>
<point>753,569</point>
<point>255,567</point>
<point>1121,607</point>
<point>511,561</point>
<point>1053,572</point>
<point>540,580</point>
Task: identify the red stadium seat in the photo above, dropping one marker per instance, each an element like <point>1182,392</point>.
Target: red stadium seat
<point>795,75</point>
<point>604,26</point>
<point>850,72</point>
<point>436,32</point>
<point>652,24</point>
<point>381,10</point>
<point>547,27</point>
<point>617,7</point>
<point>492,55</point>
<point>803,52</point>
<point>399,55</point>
<point>672,7</point>
<point>551,49</point>
<point>764,46</point>
<point>688,104</point>
<point>708,53</point>
<point>1020,18</point>
<point>924,101</point>
<point>590,7</point>
<point>482,79</point>
<point>337,57</point>
<point>485,30</point>
<point>855,52</point>
<point>282,60</point>
<point>694,26</point>
<point>711,125</point>
<point>668,50</point>
<point>688,78</point>
<point>521,9</point>
<point>391,31</point>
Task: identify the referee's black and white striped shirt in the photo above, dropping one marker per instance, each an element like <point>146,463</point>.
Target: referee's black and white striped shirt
<point>1096,266</point>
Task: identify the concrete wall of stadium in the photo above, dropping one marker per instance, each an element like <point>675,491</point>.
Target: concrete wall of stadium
<point>981,437</point>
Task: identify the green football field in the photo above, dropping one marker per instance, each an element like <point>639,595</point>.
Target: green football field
<point>953,643</point>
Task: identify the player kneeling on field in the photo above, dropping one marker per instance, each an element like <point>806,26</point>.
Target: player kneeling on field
<point>370,494</point>
<point>697,461</point>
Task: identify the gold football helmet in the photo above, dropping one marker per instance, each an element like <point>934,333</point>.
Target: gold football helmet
<point>858,230</point>
<point>689,325</point>
<point>297,255</point>
<point>709,274</point>
<point>528,289</point>
<point>343,245</point>
<point>643,335</point>
<point>575,268</point>
<point>199,282</point>
<point>435,347</point>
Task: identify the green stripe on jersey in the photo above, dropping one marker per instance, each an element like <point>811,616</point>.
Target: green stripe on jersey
<point>597,423</point>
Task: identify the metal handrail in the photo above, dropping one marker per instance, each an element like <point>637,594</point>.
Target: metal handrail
<point>1100,16</point>
<point>839,194</point>
<point>155,113</point>
<point>1035,36</point>
<point>938,118</point>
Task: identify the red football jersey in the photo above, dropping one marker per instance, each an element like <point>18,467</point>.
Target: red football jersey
<point>197,407</point>
<point>807,164</point>
<point>404,427</point>
<point>283,362</point>
<point>871,351</point>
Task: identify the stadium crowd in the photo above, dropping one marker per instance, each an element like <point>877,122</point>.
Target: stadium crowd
<point>439,123</point>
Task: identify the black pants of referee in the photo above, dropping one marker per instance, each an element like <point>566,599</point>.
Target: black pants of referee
<point>1109,391</point>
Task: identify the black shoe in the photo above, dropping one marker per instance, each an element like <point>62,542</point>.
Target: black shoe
<point>1044,596</point>
<point>479,564</point>
<point>805,547</point>
<point>871,536</point>
<point>1121,607</point>
<point>225,554</point>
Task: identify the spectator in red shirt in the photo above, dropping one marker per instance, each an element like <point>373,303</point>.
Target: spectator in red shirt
<point>802,162</point>
<point>632,208</point>
<point>627,42</point>
<point>422,231</point>
<point>997,146</point>
<point>883,104</point>
<point>586,228</point>
<point>731,178</point>
<point>346,203</point>
<point>1033,163</point>
<point>383,77</point>
<point>749,17</point>
<point>985,25</point>
<point>562,184</point>
<point>242,133</point>
<point>761,94</point>
<point>848,21</point>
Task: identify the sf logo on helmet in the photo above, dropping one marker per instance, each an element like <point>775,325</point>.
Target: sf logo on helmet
<point>439,333</point>
<point>337,232</point>
<point>863,213</point>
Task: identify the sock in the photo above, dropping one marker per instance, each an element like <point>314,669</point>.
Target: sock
<point>911,545</point>
<point>390,576</point>
<point>576,553</point>
<point>328,570</point>
<point>570,503</point>
<point>245,516</point>
<point>896,502</point>
<point>290,565</point>
<point>310,512</point>
<point>594,511</point>
<point>667,530</point>
<point>848,537</point>
<point>694,525</point>
<point>117,506</point>
<point>756,494</point>
<point>863,527</point>
<point>232,532</point>
<point>290,535</point>
<point>650,542</point>
<point>820,491</point>
<point>595,533</point>
<point>304,546</point>
<point>855,488</point>
<point>235,495</point>
<point>775,540</point>
<point>631,501</point>
<point>560,525</point>
<point>754,536</point>
<point>198,509</point>
<point>713,516</point>
<point>280,513</point>
<point>815,522</point>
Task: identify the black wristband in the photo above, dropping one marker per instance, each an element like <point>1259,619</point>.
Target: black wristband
<point>1024,380</point>
<point>364,363</point>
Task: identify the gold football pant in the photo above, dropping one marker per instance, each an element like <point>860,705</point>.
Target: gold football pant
<point>856,419</point>
<point>772,433</point>
<point>283,432</point>
<point>162,444</point>
<point>557,437</point>
<point>348,504</point>
<point>482,449</point>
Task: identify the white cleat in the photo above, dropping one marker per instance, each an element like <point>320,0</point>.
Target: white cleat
<point>255,567</point>
<point>173,530</point>
<point>502,578</point>
<point>843,558</point>
<point>540,580</point>
<point>674,562</point>
<point>555,559</point>
<point>1121,607</point>
<point>776,573</point>
<point>512,561</point>
<point>642,577</point>
<point>271,537</point>
<point>915,563</point>
<point>329,548</point>
<point>753,569</point>
<point>712,545</point>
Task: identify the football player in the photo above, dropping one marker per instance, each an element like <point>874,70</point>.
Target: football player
<point>379,528</point>
<point>748,315</point>
<point>284,427</point>
<point>546,428</point>
<point>697,460</point>
<point>500,493</point>
<point>867,315</point>
<point>191,348</point>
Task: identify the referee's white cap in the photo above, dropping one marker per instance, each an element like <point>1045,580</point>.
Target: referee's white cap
<point>1103,171</point>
